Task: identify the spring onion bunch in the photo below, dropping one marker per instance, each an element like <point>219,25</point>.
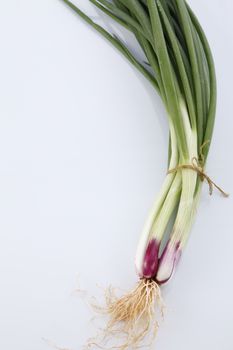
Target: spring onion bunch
<point>180,67</point>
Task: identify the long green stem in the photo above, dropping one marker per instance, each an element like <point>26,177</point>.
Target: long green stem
<point>181,69</point>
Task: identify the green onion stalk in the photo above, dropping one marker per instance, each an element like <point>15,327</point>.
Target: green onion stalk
<point>180,68</point>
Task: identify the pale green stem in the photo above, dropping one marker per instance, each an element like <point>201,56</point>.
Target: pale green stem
<point>157,206</point>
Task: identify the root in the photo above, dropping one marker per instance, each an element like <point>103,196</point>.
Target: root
<point>133,317</point>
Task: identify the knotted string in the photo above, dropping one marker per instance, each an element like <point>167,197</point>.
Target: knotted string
<point>198,166</point>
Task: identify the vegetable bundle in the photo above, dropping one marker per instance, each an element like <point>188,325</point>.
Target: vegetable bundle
<point>180,67</point>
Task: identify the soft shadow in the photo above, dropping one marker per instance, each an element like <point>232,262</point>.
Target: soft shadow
<point>128,38</point>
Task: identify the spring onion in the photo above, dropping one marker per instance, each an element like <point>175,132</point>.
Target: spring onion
<point>179,66</point>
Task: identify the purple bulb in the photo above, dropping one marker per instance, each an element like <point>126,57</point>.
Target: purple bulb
<point>151,258</point>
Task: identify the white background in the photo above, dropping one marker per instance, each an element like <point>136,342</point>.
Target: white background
<point>83,147</point>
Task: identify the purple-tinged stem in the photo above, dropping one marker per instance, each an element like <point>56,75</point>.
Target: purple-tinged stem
<point>168,261</point>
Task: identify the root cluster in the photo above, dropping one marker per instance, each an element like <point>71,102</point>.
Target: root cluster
<point>133,318</point>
